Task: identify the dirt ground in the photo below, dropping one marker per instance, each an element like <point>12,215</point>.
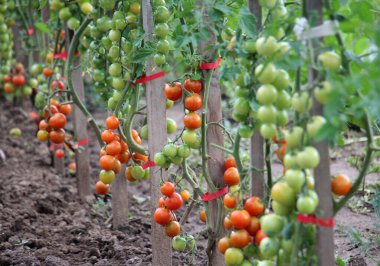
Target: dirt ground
<point>43,222</point>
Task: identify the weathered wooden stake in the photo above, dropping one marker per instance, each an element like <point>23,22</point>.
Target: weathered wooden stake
<point>257,141</point>
<point>157,138</point>
<point>120,201</point>
<point>325,235</point>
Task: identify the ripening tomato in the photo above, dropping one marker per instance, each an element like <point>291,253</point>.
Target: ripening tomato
<point>47,72</point>
<point>231,176</point>
<point>172,229</point>
<point>254,226</point>
<point>107,136</point>
<point>124,157</point>
<point>162,216</point>
<point>227,223</point>
<point>42,125</point>
<point>192,120</point>
<point>42,135</point>
<point>9,88</point>
<point>101,188</point>
<point>57,136</point>
<point>224,244</point>
<point>193,102</point>
<point>174,91</point>
<point>167,189</point>
<point>65,109</point>
<point>57,121</point>
<point>174,201</point>
<point>113,148</point>
<point>185,194</point>
<point>59,153</point>
<point>240,219</point>
<point>112,122</point>
<point>161,202</point>
<point>230,162</point>
<point>259,236</point>
<point>202,216</point>
<point>7,78</point>
<point>128,174</point>
<point>229,201</point>
<point>193,85</point>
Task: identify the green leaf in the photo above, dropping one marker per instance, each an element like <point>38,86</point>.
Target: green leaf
<point>247,22</point>
<point>141,54</point>
<point>223,8</point>
<point>42,4</point>
<point>340,262</point>
<point>42,27</point>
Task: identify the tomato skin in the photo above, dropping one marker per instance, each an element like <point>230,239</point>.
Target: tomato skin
<point>240,219</point>
<point>107,162</point>
<point>57,121</point>
<point>223,244</point>
<point>59,153</point>
<point>113,148</point>
<point>112,122</point>
<point>162,216</point>
<point>229,201</point>
<point>107,136</point>
<point>193,85</point>
<point>254,226</point>
<point>47,72</point>
<point>18,80</point>
<point>260,235</point>
<point>193,102</point>
<point>185,194</point>
<point>172,229</point>
<point>227,223</point>
<point>233,256</point>
<point>231,176</point>
<point>65,109</point>
<point>174,201</point>
<point>230,162</point>
<point>173,92</point>
<point>202,216</point>
<point>42,135</point>
<point>192,121</point>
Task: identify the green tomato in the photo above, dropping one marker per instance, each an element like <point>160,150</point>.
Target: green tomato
<point>280,209</point>
<point>233,257</point>
<point>266,46</point>
<point>282,47</point>
<point>196,145</point>
<point>241,106</point>
<point>73,23</point>
<point>111,104</point>
<point>147,174</point>
<point>314,125</point>
<point>295,179</point>
<point>269,247</point>
<point>126,46</point>
<point>169,104</point>
<point>246,263</point>
<point>287,245</point>
<point>118,83</point>
<point>179,243</point>
<point>65,14</point>
<point>177,160</point>
<point>290,160</point>
<point>115,69</point>
<point>245,131</point>
<point>163,46</point>
<point>114,35</point>
<point>283,100</point>
<point>137,172</point>
<point>272,224</point>
<point>170,150</point>
<point>330,61</point>
<point>161,30</point>
<point>267,114</point>
<point>40,100</point>
<point>107,177</point>
<point>308,158</point>
<point>241,92</point>
<point>120,23</point>
<point>86,8</point>
<point>171,126</point>
<point>15,132</point>
<point>322,95</point>
<point>114,50</point>
<point>250,46</point>
<point>279,12</point>
<point>306,205</point>
<point>159,59</point>
<point>160,159</point>
<point>268,131</point>
<point>266,94</point>
<point>107,5</point>
<point>282,80</point>
<point>294,137</point>
<point>98,75</point>
<point>36,69</point>
<point>266,74</point>
<point>282,118</point>
<point>144,132</point>
<point>190,242</point>
<point>184,151</point>
<point>301,102</point>
<point>161,14</point>
<point>283,194</point>
<point>27,91</point>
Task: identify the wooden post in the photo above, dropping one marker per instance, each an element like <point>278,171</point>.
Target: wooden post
<point>120,201</point>
<point>257,141</point>
<point>325,235</point>
<point>157,138</point>
<point>82,156</point>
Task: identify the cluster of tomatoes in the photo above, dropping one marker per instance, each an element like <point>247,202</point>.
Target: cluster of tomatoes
<point>164,215</point>
<point>15,82</point>
<point>70,13</point>
<point>51,127</point>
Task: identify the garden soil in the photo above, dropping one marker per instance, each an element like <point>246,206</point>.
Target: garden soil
<point>43,221</point>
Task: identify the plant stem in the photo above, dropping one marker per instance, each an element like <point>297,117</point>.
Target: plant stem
<point>268,163</point>
<point>221,148</point>
<point>236,154</point>
<point>67,71</point>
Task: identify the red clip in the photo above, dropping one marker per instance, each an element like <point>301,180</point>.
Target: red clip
<point>217,194</point>
<point>145,79</point>
<point>82,142</point>
<point>30,31</point>
<point>148,164</point>
<point>311,219</point>
<point>64,55</point>
<point>208,66</point>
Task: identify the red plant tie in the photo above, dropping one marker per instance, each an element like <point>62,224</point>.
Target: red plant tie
<point>217,194</point>
<point>145,79</point>
<point>208,66</point>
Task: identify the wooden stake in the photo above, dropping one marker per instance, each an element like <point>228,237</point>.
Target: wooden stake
<point>157,138</point>
<point>325,235</point>
<point>257,141</point>
<point>120,201</point>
